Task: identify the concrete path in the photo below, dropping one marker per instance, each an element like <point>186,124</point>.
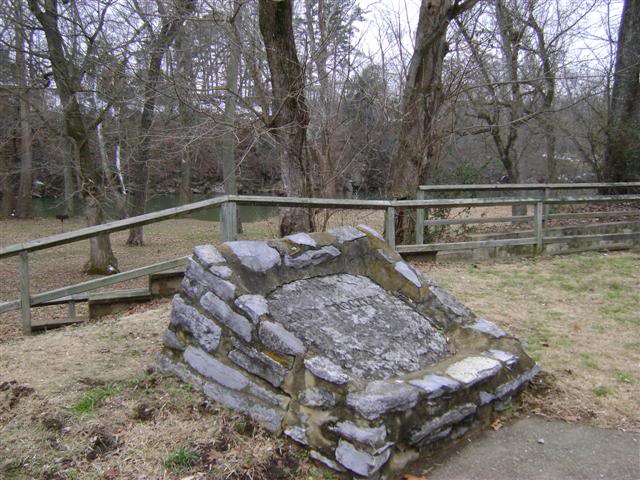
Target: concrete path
<point>537,449</point>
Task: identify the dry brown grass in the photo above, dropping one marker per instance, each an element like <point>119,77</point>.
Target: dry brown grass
<point>142,424</point>
<point>580,316</point>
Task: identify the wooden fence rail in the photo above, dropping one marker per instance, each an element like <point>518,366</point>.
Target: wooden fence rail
<point>228,204</point>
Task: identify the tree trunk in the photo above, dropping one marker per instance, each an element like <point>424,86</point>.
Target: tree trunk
<point>139,165</point>
<point>101,257</point>
<point>290,114</point>
<point>422,98</point>
<point>231,92</point>
<point>23,209</point>
<point>9,177</point>
<point>622,155</point>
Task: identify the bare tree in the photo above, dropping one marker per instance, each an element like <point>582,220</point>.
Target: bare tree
<point>140,166</point>
<point>23,208</point>
<point>421,101</point>
<point>68,74</point>
<point>622,156</point>
<point>290,115</point>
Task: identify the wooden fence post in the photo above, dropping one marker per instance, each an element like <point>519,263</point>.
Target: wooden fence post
<point>25,296</point>
<point>390,226</point>
<point>420,220</point>
<point>229,221</point>
<point>538,226</point>
<point>547,208</point>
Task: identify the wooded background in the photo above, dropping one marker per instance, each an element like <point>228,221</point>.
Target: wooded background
<point>107,101</point>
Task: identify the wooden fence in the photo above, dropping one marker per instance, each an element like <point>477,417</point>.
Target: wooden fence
<point>228,205</point>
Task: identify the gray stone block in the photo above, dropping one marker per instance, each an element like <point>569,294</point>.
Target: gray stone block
<point>407,272</point>
<point>436,385</point>
<point>220,271</point>
<point>451,417</point>
<point>270,418</point>
<point>317,398</point>
<point>380,398</point>
<point>374,437</point>
<point>254,306</point>
<point>192,289</point>
<point>485,326</point>
<point>202,329</point>
<point>509,359</point>
<point>298,434</point>
<point>223,313</point>
<point>257,256</point>
<point>390,257</point>
<point>513,386</point>
<point>172,341</point>
<point>326,370</point>
<point>472,370</point>
<point>358,461</point>
<point>447,303</point>
<point>228,377</point>
<point>213,369</point>
<point>208,255</point>
<point>302,239</point>
<point>346,233</point>
<point>371,231</point>
<point>311,257</point>
<point>259,364</point>
<point>222,288</point>
<point>485,397</point>
<point>326,461</point>
<point>279,339</point>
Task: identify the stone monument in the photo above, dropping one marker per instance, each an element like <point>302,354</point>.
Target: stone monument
<point>332,339</point>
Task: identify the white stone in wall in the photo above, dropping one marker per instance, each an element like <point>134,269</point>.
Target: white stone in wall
<point>472,370</point>
<point>255,255</point>
<point>208,255</point>
<point>253,305</point>
<point>436,385</point>
<point>302,239</point>
<point>407,272</point>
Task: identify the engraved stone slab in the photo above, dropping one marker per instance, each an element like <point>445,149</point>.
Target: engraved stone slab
<point>357,325</point>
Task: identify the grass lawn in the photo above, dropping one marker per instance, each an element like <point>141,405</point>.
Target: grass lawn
<point>85,402</point>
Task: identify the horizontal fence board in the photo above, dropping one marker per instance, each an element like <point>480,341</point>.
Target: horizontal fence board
<point>594,236</point>
<point>88,232</point>
<point>444,247</point>
<point>43,298</point>
<point>471,220</point>
<point>524,186</point>
<point>510,201</point>
<point>621,213</point>
<point>9,306</point>
<point>310,202</point>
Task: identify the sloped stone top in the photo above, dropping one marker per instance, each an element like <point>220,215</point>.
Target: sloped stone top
<point>357,324</point>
